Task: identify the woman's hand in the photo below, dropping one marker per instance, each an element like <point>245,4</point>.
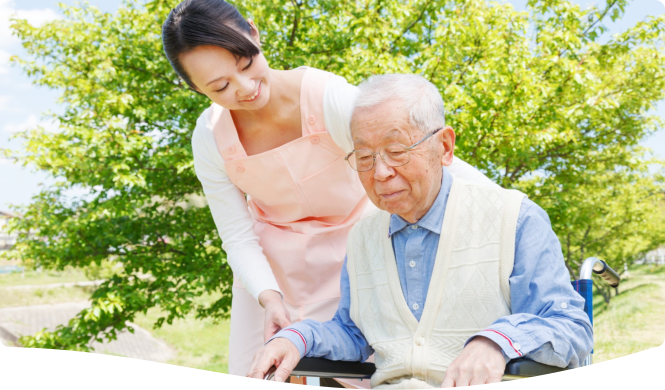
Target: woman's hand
<point>277,317</point>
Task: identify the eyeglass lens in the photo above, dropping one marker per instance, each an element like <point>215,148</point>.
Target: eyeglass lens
<point>394,155</point>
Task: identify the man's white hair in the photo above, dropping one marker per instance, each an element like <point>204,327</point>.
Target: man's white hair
<point>422,100</point>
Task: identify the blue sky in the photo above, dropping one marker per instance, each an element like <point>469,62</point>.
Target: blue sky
<point>22,104</point>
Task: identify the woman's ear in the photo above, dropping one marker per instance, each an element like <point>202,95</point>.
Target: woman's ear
<point>255,32</point>
<point>448,140</point>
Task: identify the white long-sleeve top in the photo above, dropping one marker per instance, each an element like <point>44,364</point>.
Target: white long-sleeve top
<point>229,206</point>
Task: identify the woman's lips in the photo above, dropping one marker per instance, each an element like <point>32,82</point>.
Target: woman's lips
<point>254,96</point>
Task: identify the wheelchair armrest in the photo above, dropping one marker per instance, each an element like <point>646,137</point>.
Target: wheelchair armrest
<point>524,368</point>
<point>324,368</point>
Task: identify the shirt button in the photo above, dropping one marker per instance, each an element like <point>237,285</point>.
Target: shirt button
<point>240,168</point>
<point>517,346</point>
<point>232,149</point>
<point>412,263</point>
<point>311,120</point>
<point>315,140</point>
<point>420,341</point>
<point>414,227</point>
<point>415,306</point>
<point>564,305</point>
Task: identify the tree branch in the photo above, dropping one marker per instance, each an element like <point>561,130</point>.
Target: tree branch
<point>410,26</point>
<point>294,27</point>
<point>602,16</point>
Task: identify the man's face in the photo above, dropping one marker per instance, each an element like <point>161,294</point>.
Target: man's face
<point>408,190</point>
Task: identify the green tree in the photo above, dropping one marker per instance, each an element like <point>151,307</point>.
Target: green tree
<point>539,102</point>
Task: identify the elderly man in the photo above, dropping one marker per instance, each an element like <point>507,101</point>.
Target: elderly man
<point>449,280</point>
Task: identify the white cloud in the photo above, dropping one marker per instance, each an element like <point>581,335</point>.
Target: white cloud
<point>31,122</point>
<point>4,102</point>
<point>36,17</point>
<point>4,61</point>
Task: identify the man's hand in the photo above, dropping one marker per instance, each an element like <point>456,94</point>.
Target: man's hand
<point>276,315</point>
<point>281,353</point>
<point>480,362</point>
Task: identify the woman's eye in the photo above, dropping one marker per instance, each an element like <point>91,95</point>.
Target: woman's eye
<point>251,61</point>
<point>221,90</point>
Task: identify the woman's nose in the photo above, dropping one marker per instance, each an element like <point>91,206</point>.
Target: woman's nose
<point>247,87</point>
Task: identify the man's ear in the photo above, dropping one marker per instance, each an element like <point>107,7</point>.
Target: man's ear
<point>255,32</point>
<point>448,141</point>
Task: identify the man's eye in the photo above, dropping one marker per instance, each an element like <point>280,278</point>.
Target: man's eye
<point>221,90</point>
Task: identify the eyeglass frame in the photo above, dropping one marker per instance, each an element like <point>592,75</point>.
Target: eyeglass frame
<point>407,149</point>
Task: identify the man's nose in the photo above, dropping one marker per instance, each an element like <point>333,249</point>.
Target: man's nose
<point>382,171</point>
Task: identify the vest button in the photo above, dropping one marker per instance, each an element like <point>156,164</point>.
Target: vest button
<point>315,140</point>
<point>232,149</point>
<point>420,341</point>
<point>311,120</point>
<point>240,168</point>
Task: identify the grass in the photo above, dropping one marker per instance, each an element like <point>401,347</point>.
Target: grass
<point>199,343</point>
<point>45,277</point>
<point>635,319</point>
<point>38,296</point>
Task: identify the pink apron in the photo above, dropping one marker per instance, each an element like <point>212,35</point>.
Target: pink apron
<point>303,197</point>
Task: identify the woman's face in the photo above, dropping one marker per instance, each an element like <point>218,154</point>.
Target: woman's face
<point>233,83</point>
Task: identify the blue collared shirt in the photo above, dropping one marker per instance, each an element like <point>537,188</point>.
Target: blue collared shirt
<point>547,323</point>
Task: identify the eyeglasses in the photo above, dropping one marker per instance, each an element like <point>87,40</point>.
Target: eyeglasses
<point>394,155</point>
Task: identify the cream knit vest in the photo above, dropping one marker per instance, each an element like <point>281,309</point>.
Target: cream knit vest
<point>468,291</point>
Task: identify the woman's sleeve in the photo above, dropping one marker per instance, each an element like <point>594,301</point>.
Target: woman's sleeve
<point>229,211</point>
<point>338,99</point>
<point>463,170</point>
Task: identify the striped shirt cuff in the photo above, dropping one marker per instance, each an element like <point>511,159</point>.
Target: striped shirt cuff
<point>294,336</point>
<point>510,346</point>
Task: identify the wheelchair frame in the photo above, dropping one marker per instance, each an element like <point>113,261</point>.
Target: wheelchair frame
<point>515,369</point>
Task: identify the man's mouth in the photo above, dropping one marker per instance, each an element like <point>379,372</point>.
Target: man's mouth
<point>391,195</point>
<point>254,96</point>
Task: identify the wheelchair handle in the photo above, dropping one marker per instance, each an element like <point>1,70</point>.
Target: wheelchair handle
<point>599,267</point>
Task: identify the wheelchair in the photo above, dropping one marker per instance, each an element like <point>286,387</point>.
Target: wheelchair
<point>314,368</point>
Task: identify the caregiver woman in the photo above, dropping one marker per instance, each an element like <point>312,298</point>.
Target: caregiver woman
<point>280,137</point>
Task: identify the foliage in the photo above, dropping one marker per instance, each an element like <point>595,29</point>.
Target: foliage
<point>540,100</point>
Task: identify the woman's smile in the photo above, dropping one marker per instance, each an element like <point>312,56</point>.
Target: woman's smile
<point>253,96</point>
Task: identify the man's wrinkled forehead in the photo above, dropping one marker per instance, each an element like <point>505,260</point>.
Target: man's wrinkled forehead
<point>377,136</point>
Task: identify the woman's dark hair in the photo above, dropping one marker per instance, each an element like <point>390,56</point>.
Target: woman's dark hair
<point>194,23</point>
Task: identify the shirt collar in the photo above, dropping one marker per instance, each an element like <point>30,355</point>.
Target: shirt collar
<point>433,218</point>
